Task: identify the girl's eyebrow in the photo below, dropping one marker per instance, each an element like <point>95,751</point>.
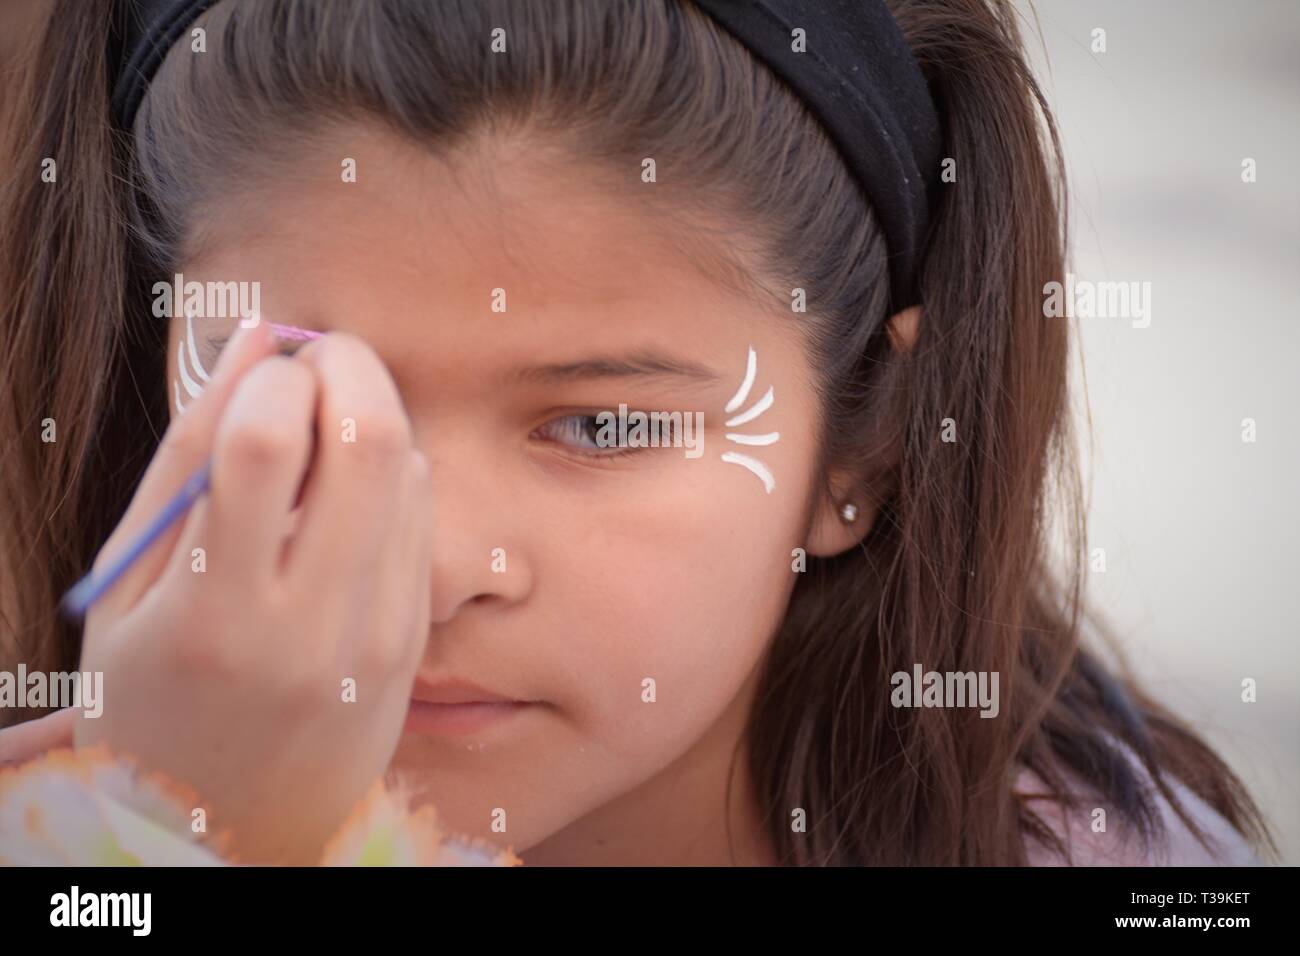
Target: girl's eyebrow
<point>647,364</point>
<point>643,364</point>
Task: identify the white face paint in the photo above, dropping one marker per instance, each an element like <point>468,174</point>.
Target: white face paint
<point>748,415</point>
<point>184,378</point>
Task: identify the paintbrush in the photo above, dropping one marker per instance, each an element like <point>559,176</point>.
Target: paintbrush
<point>95,585</point>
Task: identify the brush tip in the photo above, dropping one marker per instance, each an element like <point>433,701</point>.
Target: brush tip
<point>293,332</point>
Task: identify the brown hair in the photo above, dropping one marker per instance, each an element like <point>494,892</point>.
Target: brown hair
<point>954,574</point>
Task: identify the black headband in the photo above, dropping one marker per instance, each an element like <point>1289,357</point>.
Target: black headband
<point>857,76</point>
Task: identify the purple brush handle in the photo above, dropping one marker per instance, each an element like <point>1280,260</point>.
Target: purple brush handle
<point>93,586</point>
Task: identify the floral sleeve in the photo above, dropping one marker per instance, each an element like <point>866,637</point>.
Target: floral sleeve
<point>88,808</point>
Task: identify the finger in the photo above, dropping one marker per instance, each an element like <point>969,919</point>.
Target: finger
<point>363,444</point>
<point>184,448</point>
<point>31,739</point>
<point>259,458</point>
<point>189,558</point>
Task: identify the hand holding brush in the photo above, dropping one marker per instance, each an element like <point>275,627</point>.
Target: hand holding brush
<point>235,679</point>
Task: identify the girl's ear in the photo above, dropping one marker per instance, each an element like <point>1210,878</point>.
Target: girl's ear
<point>902,328</point>
<point>842,518</point>
<point>844,515</point>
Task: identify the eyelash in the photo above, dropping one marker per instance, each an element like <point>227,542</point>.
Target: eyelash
<point>587,451</point>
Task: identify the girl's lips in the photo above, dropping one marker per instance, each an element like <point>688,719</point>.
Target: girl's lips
<point>455,691</point>
<point>424,717</point>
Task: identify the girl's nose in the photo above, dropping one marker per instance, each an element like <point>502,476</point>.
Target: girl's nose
<point>479,552</point>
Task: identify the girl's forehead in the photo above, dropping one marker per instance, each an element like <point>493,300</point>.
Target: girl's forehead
<point>490,265</point>
<point>360,205</point>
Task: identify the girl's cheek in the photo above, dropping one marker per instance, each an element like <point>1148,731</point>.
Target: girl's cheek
<point>669,617</point>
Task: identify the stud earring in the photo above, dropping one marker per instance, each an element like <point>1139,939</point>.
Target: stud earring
<point>849,512</point>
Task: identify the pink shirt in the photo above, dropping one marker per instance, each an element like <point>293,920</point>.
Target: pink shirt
<point>1119,845</point>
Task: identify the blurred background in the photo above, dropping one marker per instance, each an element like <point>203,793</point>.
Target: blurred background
<point>1199,528</point>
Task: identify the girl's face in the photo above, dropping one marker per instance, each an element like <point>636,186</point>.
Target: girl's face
<point>630,590</point>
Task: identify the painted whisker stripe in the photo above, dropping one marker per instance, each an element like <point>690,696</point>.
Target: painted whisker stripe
<point>751,368</point>
<point>758,408</point>
<point>194,353</point>
<point>192,388</point>
<point>754,465</point>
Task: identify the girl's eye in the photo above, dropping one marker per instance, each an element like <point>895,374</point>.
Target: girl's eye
<point>581,432</point>
<point>213,351</point>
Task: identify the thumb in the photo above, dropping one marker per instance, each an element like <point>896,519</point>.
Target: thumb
<point>31,739</point>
